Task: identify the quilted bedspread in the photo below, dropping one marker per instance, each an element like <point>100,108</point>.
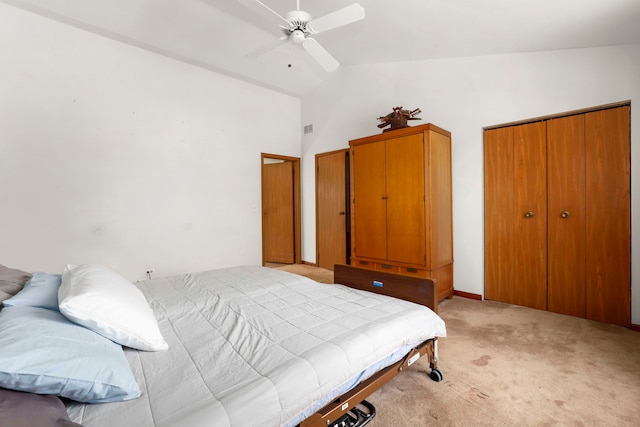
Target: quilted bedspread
<point>253,346</point>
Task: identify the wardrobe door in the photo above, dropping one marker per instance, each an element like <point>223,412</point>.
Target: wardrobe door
<point>608,222</point>
<point>369,201</point>
<point>515,215</point>
<point>566,215</point>
<point>405,199</point>
<point>439,214</point>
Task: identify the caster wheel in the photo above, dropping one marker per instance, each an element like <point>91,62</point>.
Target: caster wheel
<point>436,375</point>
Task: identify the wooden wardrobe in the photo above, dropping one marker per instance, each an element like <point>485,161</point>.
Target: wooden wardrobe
<point>558,214</point>
<point>401,219</point>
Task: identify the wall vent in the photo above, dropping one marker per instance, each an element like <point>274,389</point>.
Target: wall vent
<point>308,129</point>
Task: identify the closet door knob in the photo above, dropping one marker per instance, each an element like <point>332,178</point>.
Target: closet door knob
<point>529,214</point>
<point>565,214</point>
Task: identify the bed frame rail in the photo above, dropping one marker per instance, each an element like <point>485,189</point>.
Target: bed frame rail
<point>343,404</point>
<point>415,289</point>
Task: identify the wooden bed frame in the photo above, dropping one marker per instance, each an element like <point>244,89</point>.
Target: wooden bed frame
<point>415,289</point>
<point>419,290</point>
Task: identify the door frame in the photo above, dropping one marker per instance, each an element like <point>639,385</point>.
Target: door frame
<point>297,216</point>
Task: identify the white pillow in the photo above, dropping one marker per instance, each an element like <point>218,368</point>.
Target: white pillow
<point>105,302</point>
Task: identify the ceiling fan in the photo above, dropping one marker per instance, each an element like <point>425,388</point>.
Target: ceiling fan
<point>298,26</point>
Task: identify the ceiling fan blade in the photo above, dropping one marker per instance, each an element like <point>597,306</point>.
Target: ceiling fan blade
<point>267,47</point>
<point>320,54</point>
<point>255,5</point>
<point>340,17</point>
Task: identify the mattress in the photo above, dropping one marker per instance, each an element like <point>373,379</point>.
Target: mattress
<point>254,346</point>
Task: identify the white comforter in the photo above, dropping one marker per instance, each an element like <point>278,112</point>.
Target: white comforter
<point>253,346</point>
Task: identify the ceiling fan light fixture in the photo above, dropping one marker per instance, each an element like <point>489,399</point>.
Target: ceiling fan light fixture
<point>297,36</point>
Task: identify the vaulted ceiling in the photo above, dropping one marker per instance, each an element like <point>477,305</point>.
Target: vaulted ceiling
<point>217,34</point>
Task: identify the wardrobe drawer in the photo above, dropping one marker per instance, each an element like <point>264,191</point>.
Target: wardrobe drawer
<point>387,267</point>
<point>410,271</point>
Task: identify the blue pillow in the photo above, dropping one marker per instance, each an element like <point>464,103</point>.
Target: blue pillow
<point>44,353</point>
<point>39,291</point>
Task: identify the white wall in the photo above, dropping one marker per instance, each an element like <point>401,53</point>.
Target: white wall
<point>114,155</point>
<point>463,95</point>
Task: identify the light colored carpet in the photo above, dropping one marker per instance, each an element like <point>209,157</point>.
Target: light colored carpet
<point>506,365</point>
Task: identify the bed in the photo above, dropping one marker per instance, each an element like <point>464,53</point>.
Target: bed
<point>254,346</point>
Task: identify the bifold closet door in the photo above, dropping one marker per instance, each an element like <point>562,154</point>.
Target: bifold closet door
<point>608,221</point>
<point>566,215</point>
<point>515,215</point>
<point>571,251</point>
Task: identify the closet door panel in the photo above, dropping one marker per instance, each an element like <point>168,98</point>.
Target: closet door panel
<point>369,207</point>
<point>406,199</point>
<point>529,154</point>
<point>566,215</point>
<point>608,221</point>
<point>499,214</point>
<point>515,215</point>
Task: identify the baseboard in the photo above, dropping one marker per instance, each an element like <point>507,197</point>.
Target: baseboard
<point>635,327</point>
<point>312,264</point>
<point>467,295</point>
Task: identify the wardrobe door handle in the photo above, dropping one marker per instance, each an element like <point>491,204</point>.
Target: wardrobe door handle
<point>529,214</point>
<point>565,214</point>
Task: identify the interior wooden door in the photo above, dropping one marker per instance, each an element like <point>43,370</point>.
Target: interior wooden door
<point>369,208</point>
<point>566,215</point>
<point>515,215</point>
<point>405,199</point>
<point>278,213</point>
<point>608,221</point>
<point>331,209</point>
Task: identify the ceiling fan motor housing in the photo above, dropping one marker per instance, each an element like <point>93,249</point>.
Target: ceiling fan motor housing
<point>298,17</point>
<point>297,29</point>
